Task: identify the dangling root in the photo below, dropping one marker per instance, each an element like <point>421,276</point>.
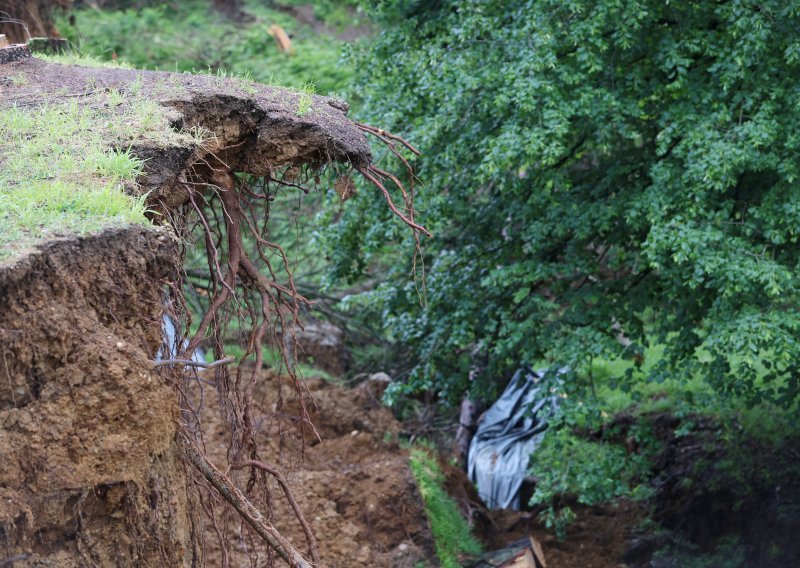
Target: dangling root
<point>243,281</point>
<point>373,172</point>
<point>245,508</point>
<point>368,173</point>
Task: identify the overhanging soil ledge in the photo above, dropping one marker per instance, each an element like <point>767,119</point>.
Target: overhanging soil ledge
<point>90,470</point>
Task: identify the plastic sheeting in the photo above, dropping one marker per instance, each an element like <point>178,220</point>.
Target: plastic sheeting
<point>170,341</point>
<point>508,433</point>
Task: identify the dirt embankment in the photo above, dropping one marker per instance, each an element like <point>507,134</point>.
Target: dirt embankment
<point>90,473</point>
<point>89,470</point>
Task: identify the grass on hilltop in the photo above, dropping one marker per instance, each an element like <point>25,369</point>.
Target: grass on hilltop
<point>66,167</point>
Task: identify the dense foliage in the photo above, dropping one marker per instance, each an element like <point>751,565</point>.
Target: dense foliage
<point>594,171</point>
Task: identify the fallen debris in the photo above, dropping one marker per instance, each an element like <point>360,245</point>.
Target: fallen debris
<point>524,553</point>
<point>282,39</point>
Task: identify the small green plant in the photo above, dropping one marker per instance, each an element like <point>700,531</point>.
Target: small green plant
<point>136,87</point>
<point>118,165</point>
<point>115,97</point>
<point>450,530</point>
<point>306,99</point>
<point>592,472</point>
<point>19,80</point>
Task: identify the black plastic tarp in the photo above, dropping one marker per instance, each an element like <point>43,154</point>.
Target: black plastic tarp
<point>508,433</point>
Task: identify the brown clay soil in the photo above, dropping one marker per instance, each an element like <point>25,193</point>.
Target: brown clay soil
<point>90,474</point>
<point>354,486</point>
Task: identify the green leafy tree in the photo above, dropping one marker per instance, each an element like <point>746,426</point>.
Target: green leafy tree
<point>591,168</point>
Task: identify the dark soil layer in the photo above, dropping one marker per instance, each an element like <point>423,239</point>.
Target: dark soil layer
<point>89,471</point>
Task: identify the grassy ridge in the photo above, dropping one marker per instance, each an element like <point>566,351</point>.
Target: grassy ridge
<point>450,530</point>
<point>67,168</point>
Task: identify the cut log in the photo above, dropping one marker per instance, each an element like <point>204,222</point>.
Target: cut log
<point>524,553</point>
<point>13,53</point>
<point>3,40</point>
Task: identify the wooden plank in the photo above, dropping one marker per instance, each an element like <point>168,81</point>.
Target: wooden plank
<point>281,38</point>
<point>538,553</point>
<point>518,554</point>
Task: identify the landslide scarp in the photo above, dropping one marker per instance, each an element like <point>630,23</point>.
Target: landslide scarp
<point>102,159</point>
<point>89,470</point>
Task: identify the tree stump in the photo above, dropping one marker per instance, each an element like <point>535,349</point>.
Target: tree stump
<point>13,53</point>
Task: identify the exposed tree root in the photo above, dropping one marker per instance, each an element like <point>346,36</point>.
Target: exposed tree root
<point>245,508</point>
<point>250,281</point>
<point>313,549</point>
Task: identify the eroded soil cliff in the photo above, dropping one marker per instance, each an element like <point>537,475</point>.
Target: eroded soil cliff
<point>89,470</point>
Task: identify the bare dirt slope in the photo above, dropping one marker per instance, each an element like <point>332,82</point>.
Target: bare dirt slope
<point>89,471</point>
<point>354,486</point>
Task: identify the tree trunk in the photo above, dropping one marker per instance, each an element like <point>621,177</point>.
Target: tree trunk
<point>467,424</point>
<point>233,9</point>
<point>25,19</point>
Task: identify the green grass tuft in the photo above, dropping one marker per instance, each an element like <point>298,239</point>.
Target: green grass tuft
<point>306,99</point>
<point>450,530</point>
<point>76,58</point>
<point>66,167</point>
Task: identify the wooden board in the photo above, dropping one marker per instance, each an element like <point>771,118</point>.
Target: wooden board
<point>281,38</point>
<point>524,553</point>
<point>538,553</point>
